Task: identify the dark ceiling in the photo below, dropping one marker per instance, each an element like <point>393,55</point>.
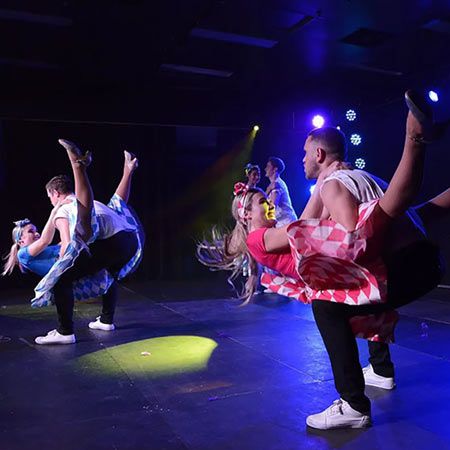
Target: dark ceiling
<point>212,61</point>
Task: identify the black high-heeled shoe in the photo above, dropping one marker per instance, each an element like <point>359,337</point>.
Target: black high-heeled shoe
<point>422,110</point>
<point>419,106</point>
<point>78,157</point>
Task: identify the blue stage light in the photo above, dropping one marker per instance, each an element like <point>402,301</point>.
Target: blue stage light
<point>360,163</point>
<point>434,97</point>
<point>350,115</point>
<point>355,139</point>
<point>318,121</point>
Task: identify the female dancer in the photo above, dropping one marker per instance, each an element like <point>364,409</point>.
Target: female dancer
<point>253,174</point>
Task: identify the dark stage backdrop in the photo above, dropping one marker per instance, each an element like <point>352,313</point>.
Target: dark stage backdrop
<point>185,177</point>
<point>169,193</point>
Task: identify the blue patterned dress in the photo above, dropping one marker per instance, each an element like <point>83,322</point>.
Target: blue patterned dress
<point>92,285</point>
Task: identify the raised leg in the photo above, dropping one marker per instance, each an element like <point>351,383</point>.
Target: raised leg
<point>407,179</point>
<point>83,189</point>
<point>435,209</point>
<point>130,164</point>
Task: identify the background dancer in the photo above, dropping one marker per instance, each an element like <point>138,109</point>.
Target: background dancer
<point>253,174</point>
<point>278,192</point>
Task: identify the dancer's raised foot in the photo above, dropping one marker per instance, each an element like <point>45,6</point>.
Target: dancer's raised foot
<point>131,163</point>
<point>425,130</point>
<point>75,154</point>
<point>419,106</point>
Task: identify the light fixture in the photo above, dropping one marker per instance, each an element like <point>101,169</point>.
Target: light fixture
<point>360,163</point>
<point>355,139</point>
<point>318,121</point>
<point>350,115</point>
<point>434,97</point>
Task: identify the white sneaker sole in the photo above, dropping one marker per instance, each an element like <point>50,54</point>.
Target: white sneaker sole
<point>42,341</point>
<point>365,422</point>
<point>387,386</point>
<point>94,326</point>
<point>378,381</point>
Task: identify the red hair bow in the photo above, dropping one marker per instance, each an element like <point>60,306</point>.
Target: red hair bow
<point>240,188</point>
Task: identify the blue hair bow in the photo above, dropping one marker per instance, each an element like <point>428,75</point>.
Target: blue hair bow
<point>19,225</point>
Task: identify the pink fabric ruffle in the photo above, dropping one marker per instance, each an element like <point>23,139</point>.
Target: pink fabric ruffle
<point>339,266</point>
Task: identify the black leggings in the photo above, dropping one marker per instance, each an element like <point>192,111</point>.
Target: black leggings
<point>412,272</point>
<point>110,254</point>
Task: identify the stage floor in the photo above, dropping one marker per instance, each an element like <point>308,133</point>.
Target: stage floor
<point>184,371</point>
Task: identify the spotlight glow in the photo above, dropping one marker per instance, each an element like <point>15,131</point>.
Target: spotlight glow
<point>151,358</point>
<point>256,128</point>
<point>311,188</point>
<point>355,139</point>
<point>360,163</point>
<point>318,121</point>
<point>350,115</point>
<point>434,97</point>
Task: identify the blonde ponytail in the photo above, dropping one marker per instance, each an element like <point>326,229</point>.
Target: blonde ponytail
<point>11,261</point>
<point>228,251</point>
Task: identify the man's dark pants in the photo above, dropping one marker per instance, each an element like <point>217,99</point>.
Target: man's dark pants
<point>412,272</point>
<point>110,254</point>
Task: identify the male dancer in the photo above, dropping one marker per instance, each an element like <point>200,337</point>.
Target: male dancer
<point>278,192</point>
<point>339,198</point>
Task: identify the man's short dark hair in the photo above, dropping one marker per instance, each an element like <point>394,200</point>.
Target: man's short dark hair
<point>278,163</point>
<point>61,183</point>
<point>331,140</point>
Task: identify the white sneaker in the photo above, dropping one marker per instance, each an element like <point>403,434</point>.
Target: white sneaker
<point>53,337</point>
<point>339,415</point>
<point>372,379</point>
<point>97,325</point>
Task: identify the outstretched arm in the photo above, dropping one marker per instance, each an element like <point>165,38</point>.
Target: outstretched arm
<point>275,239</point>
<point>129,166</point>
<point>47,234</point>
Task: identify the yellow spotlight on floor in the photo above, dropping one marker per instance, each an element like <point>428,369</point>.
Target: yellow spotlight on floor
<point>256,128</point>
<point>150,358</point>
